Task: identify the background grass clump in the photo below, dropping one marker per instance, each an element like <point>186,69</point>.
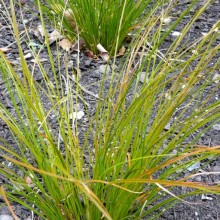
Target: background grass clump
<point>99,22</point>
<point>135,164</point>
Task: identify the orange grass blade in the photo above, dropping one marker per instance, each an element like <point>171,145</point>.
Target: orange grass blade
<point>2,192</point>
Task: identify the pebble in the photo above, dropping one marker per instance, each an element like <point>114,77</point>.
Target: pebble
<point>38,76</point>
<point>96,74</point>
<point>216,168</point>
<point>194,166</point>
<point>88,63</point>
<point>101,62</point>
<point>75,55</point>
<point>6,217</point>
<point>176,34</point>
<point>204,198</point>
<point>143,78</point>
<point>216,78</point>
<point>174,152</point>
<point>87,159</point>
<point>166,20</point>
<point>70,64</point>
<point>114,67</point>
<point>22,2</point>
<point>216,127</point>
<point>168,126</point>
<point>198,179</point>
<point>77,115</point>
<point>105,68</point>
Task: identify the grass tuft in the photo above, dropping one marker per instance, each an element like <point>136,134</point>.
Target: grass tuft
<point>99,22</point>
<point>135,162</point>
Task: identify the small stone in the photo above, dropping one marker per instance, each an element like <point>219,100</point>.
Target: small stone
<point>87,63</point>
<point>20,173</point>
<point>87,159</point>
<point>77,115</point>
<point>28,55</point>
<point>168,96</point>
<point>2,123</point>
<point>216,168</point>
<point>198,178</point>
<point>114,67</point>
<point>143,78</point>
<point>174,152</point>
<point>194,166</point>
<point>101,62</point>
<point>22,2</point>
<point>25,21</point>
<point>38,76</point>
<point>70,64</point>
<point>216,78</point>
<point>6,217</point>
<point>176,33</point>
<point>216,127</point>
<point>168,126</point>
<point>75,55</point>
<point>16,99</point>
<point>204,198</point>
<point>195,52</point>
<point>96,74</point>
<point>204,34</point>
<point>105,68</point>
<point>166,20</point>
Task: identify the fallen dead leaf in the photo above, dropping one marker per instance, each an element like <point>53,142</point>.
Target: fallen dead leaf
<point>54,36</point>
<point>78,45</point>
<point>101,49</point>
<point>121,51</point>
<point>89,53</point>
<point>5,49</point>
<point>39,33</point>
<point>41,30</point>
<point>103,52</point>
<point>104,56</point>
<point>65,44</point>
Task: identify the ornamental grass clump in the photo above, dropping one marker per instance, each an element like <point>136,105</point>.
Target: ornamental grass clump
<point>99,22</point>
<point>135,163</point>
